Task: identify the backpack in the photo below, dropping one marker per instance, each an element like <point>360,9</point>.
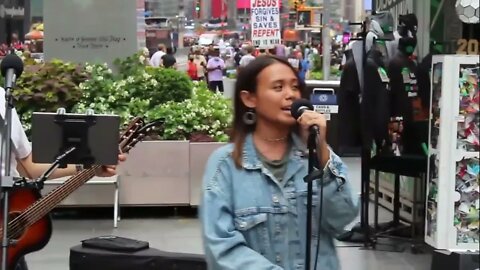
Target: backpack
<point>192,70</point>
<point>238,57</point>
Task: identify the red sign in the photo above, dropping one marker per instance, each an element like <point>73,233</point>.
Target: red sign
<point>246,4</point>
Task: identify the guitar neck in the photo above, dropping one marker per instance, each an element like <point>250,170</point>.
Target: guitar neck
<point>43,206</point>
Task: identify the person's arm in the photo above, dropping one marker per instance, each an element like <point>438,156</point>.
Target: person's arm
<point>211,66</point>
<point>30,170</point>
<point>225,247</point>
<point>340,205</point>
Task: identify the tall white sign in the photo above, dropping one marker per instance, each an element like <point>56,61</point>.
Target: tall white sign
<point>90,30</point>
<point>265,19</point>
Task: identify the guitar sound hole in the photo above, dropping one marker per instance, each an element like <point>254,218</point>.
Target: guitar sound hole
<point>16,226</point>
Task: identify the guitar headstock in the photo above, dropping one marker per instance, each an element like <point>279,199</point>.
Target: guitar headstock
<point>136,131</point>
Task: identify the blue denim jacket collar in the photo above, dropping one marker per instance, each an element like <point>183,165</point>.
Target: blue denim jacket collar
<point>297,154</point>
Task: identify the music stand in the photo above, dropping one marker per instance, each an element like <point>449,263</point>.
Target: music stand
<point>62,139</point>
<point>87,139</point>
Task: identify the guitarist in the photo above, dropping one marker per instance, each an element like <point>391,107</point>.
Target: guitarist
<point>22,164</point>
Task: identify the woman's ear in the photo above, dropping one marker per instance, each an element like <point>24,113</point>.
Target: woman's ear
<point>249,99</point>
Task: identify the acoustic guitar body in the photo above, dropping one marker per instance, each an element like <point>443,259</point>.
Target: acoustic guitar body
<point>27,239</point>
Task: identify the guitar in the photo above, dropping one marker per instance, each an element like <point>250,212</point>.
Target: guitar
<point>29,225</point>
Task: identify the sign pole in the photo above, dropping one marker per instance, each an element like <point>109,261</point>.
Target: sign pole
<point>326,46</point>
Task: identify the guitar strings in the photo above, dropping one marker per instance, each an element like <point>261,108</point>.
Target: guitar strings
<point>26,217</point>
<point>15,226</point>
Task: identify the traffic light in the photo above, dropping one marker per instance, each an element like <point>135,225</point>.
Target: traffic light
<point>198,4</point>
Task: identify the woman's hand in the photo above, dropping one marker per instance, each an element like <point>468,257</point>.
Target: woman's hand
<point>308,119</point>
<point>110,170</point>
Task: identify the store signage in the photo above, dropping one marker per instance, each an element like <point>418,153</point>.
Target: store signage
<point>324,101</point>
<point>468,46</point>
<point>11,12</point>
<point>387,4</point>
<point>90,31</point>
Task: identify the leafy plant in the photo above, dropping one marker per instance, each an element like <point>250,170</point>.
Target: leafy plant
<point>204,117</point>
<point>47,87</point>
<point>134,94</point>
<point>160,85</point>
<point>131,64</point>
<point>317,62</point>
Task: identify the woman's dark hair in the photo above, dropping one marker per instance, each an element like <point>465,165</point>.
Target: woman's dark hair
<point>247,80</point>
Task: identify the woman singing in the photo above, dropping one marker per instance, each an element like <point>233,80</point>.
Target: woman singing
<point>253,208</point>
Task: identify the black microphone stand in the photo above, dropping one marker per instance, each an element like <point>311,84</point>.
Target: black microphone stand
<point>313,174</point>
<point>7,181</point>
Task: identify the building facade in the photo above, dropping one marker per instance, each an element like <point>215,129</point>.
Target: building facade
<point>170,8</point>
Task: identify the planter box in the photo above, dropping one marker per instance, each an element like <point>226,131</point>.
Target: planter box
<point>199,153</point>
<point>229,87</point>
<point>156,173</point>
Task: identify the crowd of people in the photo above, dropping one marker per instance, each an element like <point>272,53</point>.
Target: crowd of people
<point>210,64</point>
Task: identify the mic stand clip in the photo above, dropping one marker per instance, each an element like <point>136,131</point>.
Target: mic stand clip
<point>39,183</point>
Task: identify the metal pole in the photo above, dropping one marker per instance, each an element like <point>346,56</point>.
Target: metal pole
<point>181,23</point>
<point>326,40</point>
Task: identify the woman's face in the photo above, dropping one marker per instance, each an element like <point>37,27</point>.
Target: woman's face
<point>277,88</point>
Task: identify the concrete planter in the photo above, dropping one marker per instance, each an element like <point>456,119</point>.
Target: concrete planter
<point>164,173</point>
<point>156,173</point>
<point>229,87</point>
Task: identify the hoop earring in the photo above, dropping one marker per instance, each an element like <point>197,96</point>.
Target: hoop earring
<point>250,117</point>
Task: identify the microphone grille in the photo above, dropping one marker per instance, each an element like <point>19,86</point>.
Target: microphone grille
<point>299,106</point>
<point>12,61</point>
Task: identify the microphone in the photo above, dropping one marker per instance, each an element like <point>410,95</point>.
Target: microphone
<point>11,68</point>
<point>299,106</point>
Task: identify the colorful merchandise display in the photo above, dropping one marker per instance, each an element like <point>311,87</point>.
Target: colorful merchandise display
<point>453,199</point>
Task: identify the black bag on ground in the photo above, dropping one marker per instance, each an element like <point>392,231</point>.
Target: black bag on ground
<point>115,243</point>
<point>117,253</point>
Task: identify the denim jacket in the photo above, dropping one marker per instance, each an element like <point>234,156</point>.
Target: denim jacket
<point>253,222</point>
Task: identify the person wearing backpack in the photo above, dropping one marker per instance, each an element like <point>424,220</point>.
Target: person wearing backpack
<point>192,70</point>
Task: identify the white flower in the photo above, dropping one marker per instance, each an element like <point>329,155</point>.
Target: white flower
<point>141,58</point>
<point>154,82</point>
<point>89,69</point>
<point>130,79</point>
<point>100,78</point>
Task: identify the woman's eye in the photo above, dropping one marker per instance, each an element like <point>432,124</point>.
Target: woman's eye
<point>278,87</point>
<point>295,87</point>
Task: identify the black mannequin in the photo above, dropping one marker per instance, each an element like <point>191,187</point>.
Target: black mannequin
<point>349,105</point>
<point>407,27</point>
<point>377,98</point>
<point>404,91</point>
<point>423,76</point>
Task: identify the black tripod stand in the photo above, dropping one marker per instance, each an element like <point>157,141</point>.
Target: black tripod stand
<point>362,232</point>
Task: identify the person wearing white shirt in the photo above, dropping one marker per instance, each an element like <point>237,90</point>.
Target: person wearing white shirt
<point>21,163</point>
<point>156,60</point>
<point>247,58</point>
